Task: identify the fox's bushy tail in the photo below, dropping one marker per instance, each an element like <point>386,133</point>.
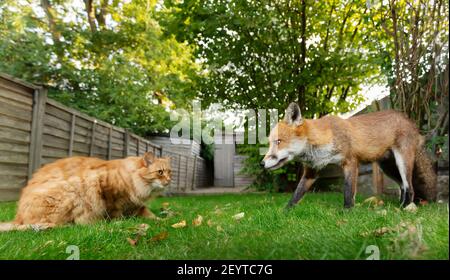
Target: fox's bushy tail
<point>424,176</point>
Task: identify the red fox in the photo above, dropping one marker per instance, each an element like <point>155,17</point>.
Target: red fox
<point>387,137</point>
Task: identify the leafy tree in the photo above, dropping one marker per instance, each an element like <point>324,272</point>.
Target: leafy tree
<point>265,54</point>
<point>107,58</point>
<point>416,39</point>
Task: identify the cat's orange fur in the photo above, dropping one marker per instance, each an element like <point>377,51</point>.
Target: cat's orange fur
<point>82,190</point>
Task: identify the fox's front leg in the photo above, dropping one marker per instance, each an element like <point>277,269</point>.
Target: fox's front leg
<point>351,178</point>
<point>146,213</point>
<point>308,178</point>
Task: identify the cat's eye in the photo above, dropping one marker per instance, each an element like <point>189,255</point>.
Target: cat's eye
<point>160,172</point>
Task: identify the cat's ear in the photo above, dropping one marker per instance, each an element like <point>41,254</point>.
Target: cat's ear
<point>148,159</point>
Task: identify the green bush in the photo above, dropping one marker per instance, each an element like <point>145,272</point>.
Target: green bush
<point>279,180</point>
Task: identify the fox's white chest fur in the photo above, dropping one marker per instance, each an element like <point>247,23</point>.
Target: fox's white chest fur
<point>318,157</point>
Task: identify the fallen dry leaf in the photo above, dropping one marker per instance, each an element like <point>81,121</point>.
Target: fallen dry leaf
<point>165,205</point>
<point>371,200</point>
<point>48,242</point>
<point>341,222</point>
<point>401,227</point>
<point>381,231</point>
<point>423,202</point>
<point>167,213</point>
<point>239,216</point>
<point>412,208</point>
<point>377,232</point>
<point>138,232</point>
<point>181,224</point>
<point>380,203</point>
<point>382,212</point>
<point>160,236</point>
<point>209,223</point>
<point>197,221</point>
<point>132,242</point>
<point>403,224</point>
<point>142,228</point>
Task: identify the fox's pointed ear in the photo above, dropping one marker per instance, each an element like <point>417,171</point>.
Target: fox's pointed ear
<point>148,159</point>
<point>293,115</point>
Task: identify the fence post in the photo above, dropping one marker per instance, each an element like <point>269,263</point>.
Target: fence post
<point>137,146</point>
<point>194,173</point>
<point>377,179</point>
<point>377,176</point>
<point>72,134</point>
<point>126,143</point>
<point>187,166</point>
<point>37,127</point>
<point>179,171</point>
<point>91,149</point>
<point>110,143</point>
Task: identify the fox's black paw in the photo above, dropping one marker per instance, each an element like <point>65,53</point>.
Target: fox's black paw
<point>348,206</point>
<point>288,208</point>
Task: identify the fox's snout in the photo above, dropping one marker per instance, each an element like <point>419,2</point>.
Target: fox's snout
<point>273,161</point>
<point>262,163</point>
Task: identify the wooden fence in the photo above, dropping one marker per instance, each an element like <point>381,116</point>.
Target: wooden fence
<point>35,130</point>
<point>183,176</point>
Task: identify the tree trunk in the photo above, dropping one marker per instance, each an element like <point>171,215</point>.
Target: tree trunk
<point>102,13</point>
<point>90,14</point>
<point>51,15</point>
<point>302,87</point>
<point>53,28</point>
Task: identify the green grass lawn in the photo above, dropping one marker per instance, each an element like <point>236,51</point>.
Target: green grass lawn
<point>318,228</point>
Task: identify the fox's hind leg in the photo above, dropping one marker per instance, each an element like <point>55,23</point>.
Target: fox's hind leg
<point>405,164</point>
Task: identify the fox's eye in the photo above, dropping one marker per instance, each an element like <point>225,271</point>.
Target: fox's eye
<point>160,172</point>
<point>277,142</point>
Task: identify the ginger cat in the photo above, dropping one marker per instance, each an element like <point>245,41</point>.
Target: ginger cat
<point>82,190</point>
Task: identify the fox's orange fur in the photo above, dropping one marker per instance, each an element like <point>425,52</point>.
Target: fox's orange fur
<point>82,190</point>
<point>387,137</point>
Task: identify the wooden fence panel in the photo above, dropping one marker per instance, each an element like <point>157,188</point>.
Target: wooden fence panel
<point>35,130</point>
<point>56,133</point>
<point>188,171</point>
<point>16,114</point>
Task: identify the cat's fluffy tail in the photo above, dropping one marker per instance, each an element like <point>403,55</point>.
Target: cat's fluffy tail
<point>10,226</point>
